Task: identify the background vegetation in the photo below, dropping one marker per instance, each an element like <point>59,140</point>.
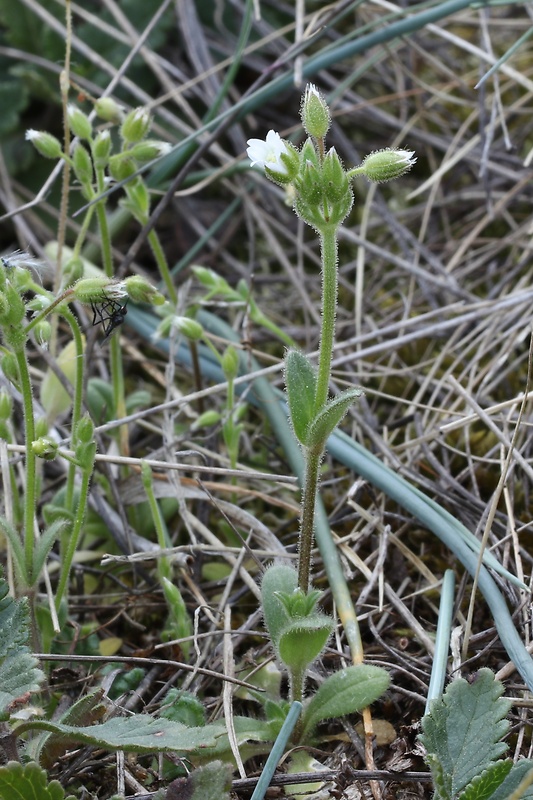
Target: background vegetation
<point>434,324</point>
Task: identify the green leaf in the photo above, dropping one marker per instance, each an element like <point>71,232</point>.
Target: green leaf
<point>138,734</point>
<point>511,783</point>
<point>18,668</point>
<point>14,621</point>
<point>18,676</point>
<point>302,640</point>
<point>344,692</point>
<point>278,578</point>
<point>484,785</point>
<point>17,550</point>
<point>45,543</point>
<point>442,783</point>
<point>28,782</point>
<point>300,379</point>
<point>463,729</point>
<point>329,417</point>
<point>49,747</point>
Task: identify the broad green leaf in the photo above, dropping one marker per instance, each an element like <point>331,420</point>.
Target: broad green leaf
<point>88,710</point>
<point>483,786</point>
<point>518,773</point>
<point>302,640</point>
<point>463,729</point>
<point>138,734</point>
<point>344,692</point>
<point>300,379</point>
<point>28,782</point>
<point>329,417</point>
<point>278,578</point>
<point>18,676</point>
<point>14,621</point>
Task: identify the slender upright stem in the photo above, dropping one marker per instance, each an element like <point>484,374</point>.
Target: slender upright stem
<point>328,242</point>
<point>31,473</point>
<point>313,455</point>
<point>307,522</point>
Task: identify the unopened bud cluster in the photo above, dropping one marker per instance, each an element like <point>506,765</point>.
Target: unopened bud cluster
<point>93,149</point>
<point>320,184</point>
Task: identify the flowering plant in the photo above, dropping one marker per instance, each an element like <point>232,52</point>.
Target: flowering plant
<point>322,197</point>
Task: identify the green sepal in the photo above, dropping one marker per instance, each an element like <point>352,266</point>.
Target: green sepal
<point>302,640</point>
<point>278,578</point>
<point>298,603</point>
<point>300,379</point>
<point>346,691</point>
<point>328,418</point>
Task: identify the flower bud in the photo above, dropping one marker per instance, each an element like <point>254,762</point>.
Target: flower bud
<point>79,123</point>
<point>121,167</point>
<point>141,291</point>
<point>6,405</point>
<point>230,363</point>
<point>386,165</point>
<point>10,368</point>
<point>101,149</point>
<point>42,333</point>
<point>207,419</point>
<point>148,150</point>
<point>82,164</point>
<point>45,448</point>
<point>96,290</point>
<point>84,432</point>
<point>45,144</point>
<point>315,114</point>
<point>336,184</point>
<point>136,125</point>
<point>188,327</point>
<point>108,110</point>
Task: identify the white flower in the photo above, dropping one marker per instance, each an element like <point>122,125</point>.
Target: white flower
<point>407,156</point>
<point>268,153</point>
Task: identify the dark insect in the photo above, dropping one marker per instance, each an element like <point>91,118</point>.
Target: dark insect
<point>110,313</point>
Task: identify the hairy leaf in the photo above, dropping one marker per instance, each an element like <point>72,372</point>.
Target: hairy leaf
<point>138,734</point>
<point>463,729</point>
<point>28,782</point>
<point>300,379</point>
<point>344,692</point>
<point>325,422</point>
<point>302,640</point>
<point>518,773</point>
<point>19,674</point>
<point>483,786</point>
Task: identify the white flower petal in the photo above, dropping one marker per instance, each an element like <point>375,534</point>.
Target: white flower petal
<point>267,153</point>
